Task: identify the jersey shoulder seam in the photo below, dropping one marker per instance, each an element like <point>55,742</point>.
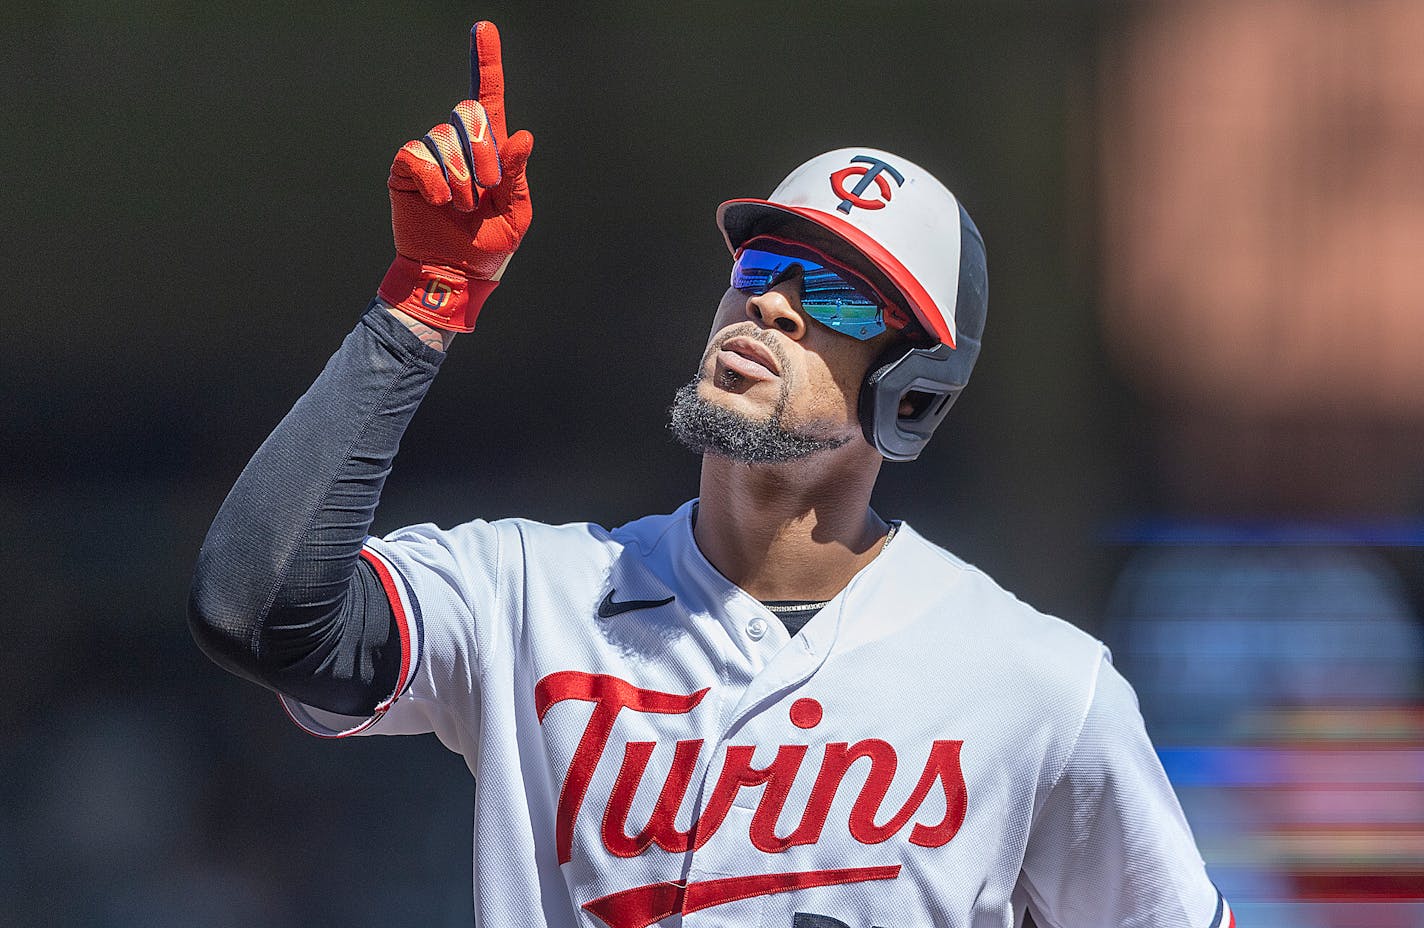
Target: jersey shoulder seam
<point>497,595</point>
<point>1078,734</point>
<point>964,567</point>
<point>948,557</point>
<point>645,546</point>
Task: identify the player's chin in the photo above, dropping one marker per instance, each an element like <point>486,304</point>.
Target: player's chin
<point>755,399</point>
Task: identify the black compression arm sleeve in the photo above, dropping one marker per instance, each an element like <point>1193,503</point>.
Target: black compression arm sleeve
<point>280,595</point>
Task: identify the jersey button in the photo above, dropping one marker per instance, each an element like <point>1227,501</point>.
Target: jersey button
<point>756,628</point>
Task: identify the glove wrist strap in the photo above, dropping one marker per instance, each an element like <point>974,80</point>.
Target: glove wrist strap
<point>436,295</point>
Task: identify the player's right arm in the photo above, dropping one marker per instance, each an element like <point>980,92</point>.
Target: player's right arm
<point>282,594</point>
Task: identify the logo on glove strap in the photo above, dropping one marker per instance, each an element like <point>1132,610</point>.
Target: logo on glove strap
<point>870,171</point>
<point>436,294</point>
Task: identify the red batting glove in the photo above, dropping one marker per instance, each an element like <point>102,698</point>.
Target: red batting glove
<point>459,202</point>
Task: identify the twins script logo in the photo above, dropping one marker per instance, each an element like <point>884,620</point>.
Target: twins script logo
<point>643,905</point>
<point>869,170</point>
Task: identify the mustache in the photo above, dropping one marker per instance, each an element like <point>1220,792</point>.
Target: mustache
<point>756,333</point>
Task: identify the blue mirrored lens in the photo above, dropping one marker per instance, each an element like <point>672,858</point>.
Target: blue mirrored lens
<point>826,296</point>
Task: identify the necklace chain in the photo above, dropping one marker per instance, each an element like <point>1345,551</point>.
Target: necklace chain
<point>807,607</point>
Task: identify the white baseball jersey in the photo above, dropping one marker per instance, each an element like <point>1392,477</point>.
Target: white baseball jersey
<point>650,746</point>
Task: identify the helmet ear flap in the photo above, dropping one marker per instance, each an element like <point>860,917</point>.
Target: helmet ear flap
<point>922,376</point>
<point>931,378</point>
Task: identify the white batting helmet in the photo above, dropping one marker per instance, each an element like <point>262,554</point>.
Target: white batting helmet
<point>917,244</point>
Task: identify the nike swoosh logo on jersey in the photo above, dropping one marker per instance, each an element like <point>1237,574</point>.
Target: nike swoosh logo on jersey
<point>641,906</point>
<point>608,608</point>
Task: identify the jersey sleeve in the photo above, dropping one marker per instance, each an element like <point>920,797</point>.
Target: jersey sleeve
<point>1110,845</point>
<point>444,590</point>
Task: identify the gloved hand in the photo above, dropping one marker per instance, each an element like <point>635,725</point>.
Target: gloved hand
<point>459,202</point>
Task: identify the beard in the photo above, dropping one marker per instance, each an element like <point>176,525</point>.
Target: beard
<point>706,428</point>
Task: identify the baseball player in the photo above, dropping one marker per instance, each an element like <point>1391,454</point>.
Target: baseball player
<point>771,707</point>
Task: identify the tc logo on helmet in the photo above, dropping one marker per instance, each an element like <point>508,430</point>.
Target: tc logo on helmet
<point>870,171</point>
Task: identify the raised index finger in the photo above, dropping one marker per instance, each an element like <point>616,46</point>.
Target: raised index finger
<point>487,75</point>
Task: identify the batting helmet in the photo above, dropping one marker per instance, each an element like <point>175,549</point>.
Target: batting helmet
<point>913,241</point>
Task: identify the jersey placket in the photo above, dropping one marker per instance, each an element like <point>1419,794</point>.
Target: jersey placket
<point>728,855</point>
<point>771,662</point>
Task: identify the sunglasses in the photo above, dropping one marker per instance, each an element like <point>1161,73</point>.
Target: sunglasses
<point>827,294</point>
